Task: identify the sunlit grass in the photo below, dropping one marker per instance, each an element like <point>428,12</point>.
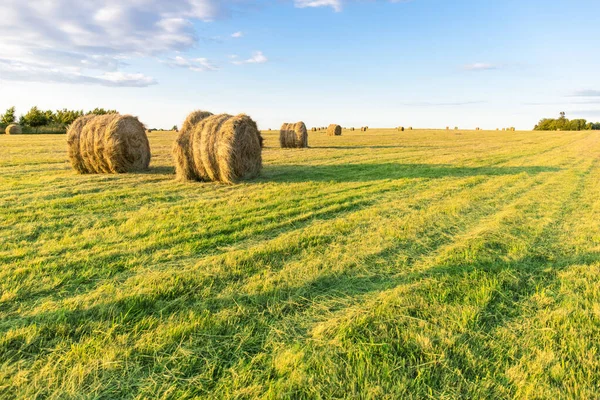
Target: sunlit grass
<point>378,264</point>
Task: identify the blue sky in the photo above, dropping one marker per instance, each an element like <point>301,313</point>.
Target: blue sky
<point>421,63</point>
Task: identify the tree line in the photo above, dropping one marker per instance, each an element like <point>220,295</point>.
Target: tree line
<point>564,124</point>
<point>36,118</point>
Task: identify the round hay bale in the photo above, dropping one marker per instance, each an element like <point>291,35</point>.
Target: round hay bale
<point>13,129</point>
<point>401,128</point>
<point>334,130</point>
<point>224,148</point>
<point>110,143</point>
<point>447,128</point>
<point>410,128</point>
<point>352,129</point>
<point>293,135</point>
<point>181,148</point>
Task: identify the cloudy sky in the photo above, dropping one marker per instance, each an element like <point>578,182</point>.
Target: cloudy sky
<point>425,63</point>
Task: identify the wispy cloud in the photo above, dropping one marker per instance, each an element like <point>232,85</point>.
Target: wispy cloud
<point>257,58</point>
<point>480,67</point>
<point>193,64</point>
<point>586,93</point>
<point>442,104</point>
<point>335,4</point>
<point>237,35</point>
<point>30,72</point>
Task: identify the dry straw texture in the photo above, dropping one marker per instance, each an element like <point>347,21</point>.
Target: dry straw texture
<point>220,148</point>
<point>293,135</point>
<point>109,143</point>
<point>13,129</point>
<point>334,130</point>
<point>181,147</point>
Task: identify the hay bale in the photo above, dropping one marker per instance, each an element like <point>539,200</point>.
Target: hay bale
<point>352,129</point>
<point>410,128</point>
<point>221,148</point>
<point>110,143</point>
<point>334,130</point>
<point>456,128</point>
<point>181,147</point>
<point>293,135</point>
<point>13,129</point>
<point>447,128</point>
<point>401,128</point>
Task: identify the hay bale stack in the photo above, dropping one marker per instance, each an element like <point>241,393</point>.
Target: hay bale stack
<point>334,130</point>
<point>181,147</point>
<point>110,143</point>
<point>293,135</point>
<point>13,129</point>
<point>220,148</point>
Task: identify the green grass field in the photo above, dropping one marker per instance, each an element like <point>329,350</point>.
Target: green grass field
<point>421,264</point>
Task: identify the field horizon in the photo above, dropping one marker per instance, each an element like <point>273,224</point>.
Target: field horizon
<point>378,264</point>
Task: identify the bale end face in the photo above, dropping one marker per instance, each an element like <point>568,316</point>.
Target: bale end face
<point>111,143</point>
<point>293,135</point>
<point>13,129</point>
<point>334,130</point>
<point>225,148</point>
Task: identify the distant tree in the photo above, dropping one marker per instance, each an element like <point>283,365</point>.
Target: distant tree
<point>563,124</point>
<point>35,118</point>
<point>174,128</point>
<point>66,117</point>
<point>101,111</point>
<point>596,126</point>
<point>9,116</point>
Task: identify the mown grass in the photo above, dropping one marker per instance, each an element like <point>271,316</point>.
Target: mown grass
<point>379,264</point>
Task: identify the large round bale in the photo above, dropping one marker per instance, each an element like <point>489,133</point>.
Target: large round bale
<point>13,129</point>
<point>334,130</point>
<point>293,135</point>
<point>401,128</point>
<point>181,148</point>
<point>110,143</point>
<point>223,148</point>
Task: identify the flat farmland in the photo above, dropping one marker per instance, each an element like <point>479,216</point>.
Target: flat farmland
<point>378,264</point>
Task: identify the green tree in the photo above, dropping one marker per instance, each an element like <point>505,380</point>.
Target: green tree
<point>9,116</point>
<point>174,128</point>
<point>66,117</point>
<point>101,111</point>
<point>35,118</point>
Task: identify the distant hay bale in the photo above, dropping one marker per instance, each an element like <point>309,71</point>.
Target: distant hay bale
<point>110,143</point>
<point>447,128</point>
<point>334,130</point>
<point>352,129</point>
<point>410,128</point>
<point>13,129</point>
<point>313,129</point>
<point>182,149</point>
<point>293,135</point>
<point>220,148</point>
<point>401,128</point>
<point>476,129</point>
<point>456,128</point>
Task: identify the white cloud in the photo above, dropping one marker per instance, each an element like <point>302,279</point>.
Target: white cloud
<point>78,41</point>
<point>237,35</point>
<point>257,58</point>
<point>480,67</point>
<point>335,4</point>
<point>193,64</point>
<point>587,93</point>
<point>31,72</point>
